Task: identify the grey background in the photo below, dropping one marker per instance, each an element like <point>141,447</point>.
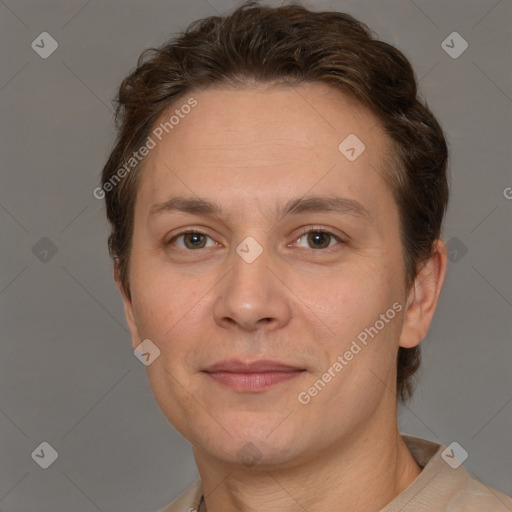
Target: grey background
<point>68,375</point>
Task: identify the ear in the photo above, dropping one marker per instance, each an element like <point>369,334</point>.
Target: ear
<point>423,296</point>
<point>128,307</point>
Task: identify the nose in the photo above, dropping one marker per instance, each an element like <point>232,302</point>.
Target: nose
<point>253,295</point>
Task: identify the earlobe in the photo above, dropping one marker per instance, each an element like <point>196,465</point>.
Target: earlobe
<point>128,307</point>
<point>423,297</point>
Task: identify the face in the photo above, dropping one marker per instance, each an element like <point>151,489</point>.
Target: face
<point>313,289</point>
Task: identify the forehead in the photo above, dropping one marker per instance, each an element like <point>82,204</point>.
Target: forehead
<point>263,141</point>
<point>298,119</point>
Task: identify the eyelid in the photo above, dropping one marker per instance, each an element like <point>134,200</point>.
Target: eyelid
<point>198,231</point>
<point>322,229</point>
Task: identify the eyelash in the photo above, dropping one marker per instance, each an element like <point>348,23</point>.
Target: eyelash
<point>303,233</point>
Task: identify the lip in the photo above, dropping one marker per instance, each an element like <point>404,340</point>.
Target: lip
<point>238,366</point>
<point>252,377</point>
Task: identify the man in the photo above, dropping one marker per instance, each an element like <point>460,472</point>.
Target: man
<point>276,195</point>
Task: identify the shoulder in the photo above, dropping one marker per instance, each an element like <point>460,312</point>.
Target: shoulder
<point>188,501</point>
<point>473,496</point>
<point>444,485</point>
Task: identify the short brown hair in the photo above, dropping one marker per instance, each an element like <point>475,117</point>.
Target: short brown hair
<point>291,45</point>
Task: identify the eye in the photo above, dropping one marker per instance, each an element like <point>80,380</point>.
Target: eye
<point>319,239</point>
<point>192,239</point>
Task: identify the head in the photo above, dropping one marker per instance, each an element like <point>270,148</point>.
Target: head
<point>250,113</point>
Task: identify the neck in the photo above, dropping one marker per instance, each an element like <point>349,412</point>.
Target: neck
<point>365,472</point>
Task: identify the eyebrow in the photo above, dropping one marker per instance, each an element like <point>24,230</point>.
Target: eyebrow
<point>310,204</point>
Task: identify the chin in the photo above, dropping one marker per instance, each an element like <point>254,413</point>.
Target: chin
<point>255,455</point>
<point>252,450</point>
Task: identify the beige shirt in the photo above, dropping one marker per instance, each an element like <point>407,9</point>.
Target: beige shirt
<point>439,487</point>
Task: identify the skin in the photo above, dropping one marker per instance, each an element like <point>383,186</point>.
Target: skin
<point>251,149</point>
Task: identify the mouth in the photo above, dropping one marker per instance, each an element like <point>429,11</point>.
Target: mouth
<point>252,377</point>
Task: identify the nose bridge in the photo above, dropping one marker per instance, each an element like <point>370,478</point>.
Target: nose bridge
<point>250,276</point>
<point>251,293</point>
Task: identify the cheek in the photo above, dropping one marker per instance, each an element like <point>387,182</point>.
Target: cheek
<point>151,307</point>
<point>174,311</point>
<point>364,306</point>
<point>354,295</point>
<point>161,297</point>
